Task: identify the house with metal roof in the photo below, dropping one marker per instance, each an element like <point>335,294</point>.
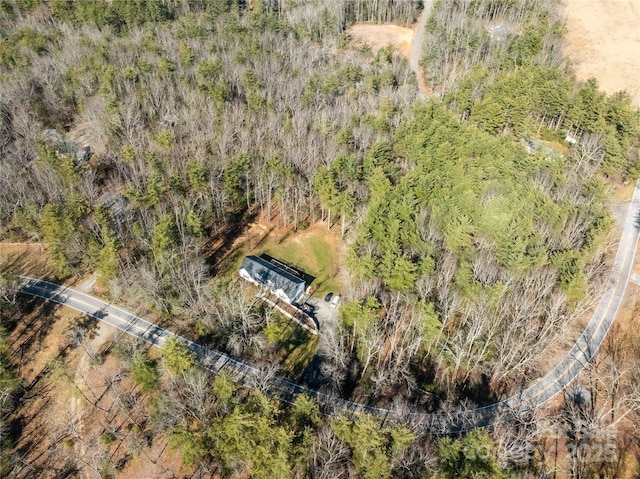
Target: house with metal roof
<point>285,284</point>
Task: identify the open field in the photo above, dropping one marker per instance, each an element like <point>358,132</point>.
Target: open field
<point>379,36</point>
<point>603,41</point>
<point>316,251</point>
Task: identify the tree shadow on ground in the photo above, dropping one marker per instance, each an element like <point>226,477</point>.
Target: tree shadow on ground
<point>296,349</point>
<point>218,247</point>
<point>29,263</point>
<point>479,392</point>
<point>38,314</point>
<point>315,378</point>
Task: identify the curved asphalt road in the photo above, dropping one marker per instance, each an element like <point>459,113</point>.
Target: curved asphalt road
<point>589,341</point>
<point>543,390</point>
<point>440,423</point>
<point>214,361</point>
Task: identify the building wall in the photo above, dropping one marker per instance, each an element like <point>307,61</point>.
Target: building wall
<point>244,274</point>
<point>279,292</point>
<point>282,295</point>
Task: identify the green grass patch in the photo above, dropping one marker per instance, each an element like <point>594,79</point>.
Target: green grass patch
<point>107,438</point>
<point>295,347</point>
<point>313,252</point>
<point>232,263</point>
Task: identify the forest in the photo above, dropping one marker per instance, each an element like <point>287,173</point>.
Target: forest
<point>475,222</point>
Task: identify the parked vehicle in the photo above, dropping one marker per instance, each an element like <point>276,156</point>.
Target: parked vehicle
<point>336,300</point>
<point>328,297</point>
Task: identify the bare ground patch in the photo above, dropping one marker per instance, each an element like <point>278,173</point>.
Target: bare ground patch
<point>79,414</point>
<point>406,41</point>
<point>603,41</point>
<point>88,131</point>
<point>379,36</point>
<point>28,259</point>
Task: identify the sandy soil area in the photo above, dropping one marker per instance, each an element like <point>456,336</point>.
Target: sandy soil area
<point>378,36</point>
<point>64,415</point>
<point>406,41</point>
<point>603,41</point>
<point>67,408</point>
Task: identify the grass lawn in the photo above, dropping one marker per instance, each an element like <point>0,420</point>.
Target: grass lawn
<point>295,347</point>
<point>315,251</point>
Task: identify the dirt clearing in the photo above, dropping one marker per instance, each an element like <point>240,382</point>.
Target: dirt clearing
<point>80,415</point>
<point>379,36</point>
<point>603,41</point>
<point>406,41</point>
<point>28,259</point>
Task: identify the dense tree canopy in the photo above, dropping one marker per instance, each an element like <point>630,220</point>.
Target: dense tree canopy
<point>474,230</point>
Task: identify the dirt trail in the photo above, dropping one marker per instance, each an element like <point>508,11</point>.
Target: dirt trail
<point>603,41</point>
<point>408,41</point>
<point>416,48</point>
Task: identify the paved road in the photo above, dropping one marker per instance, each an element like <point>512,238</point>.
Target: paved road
<point>595,332</point>
<point>543,390</point>
<point>214,361</point>
<point>589,341</point>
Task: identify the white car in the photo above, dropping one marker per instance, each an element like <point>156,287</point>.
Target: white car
<point>335,301</point>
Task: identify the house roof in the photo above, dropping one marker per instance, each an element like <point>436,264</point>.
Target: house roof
<point>272,276</point>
